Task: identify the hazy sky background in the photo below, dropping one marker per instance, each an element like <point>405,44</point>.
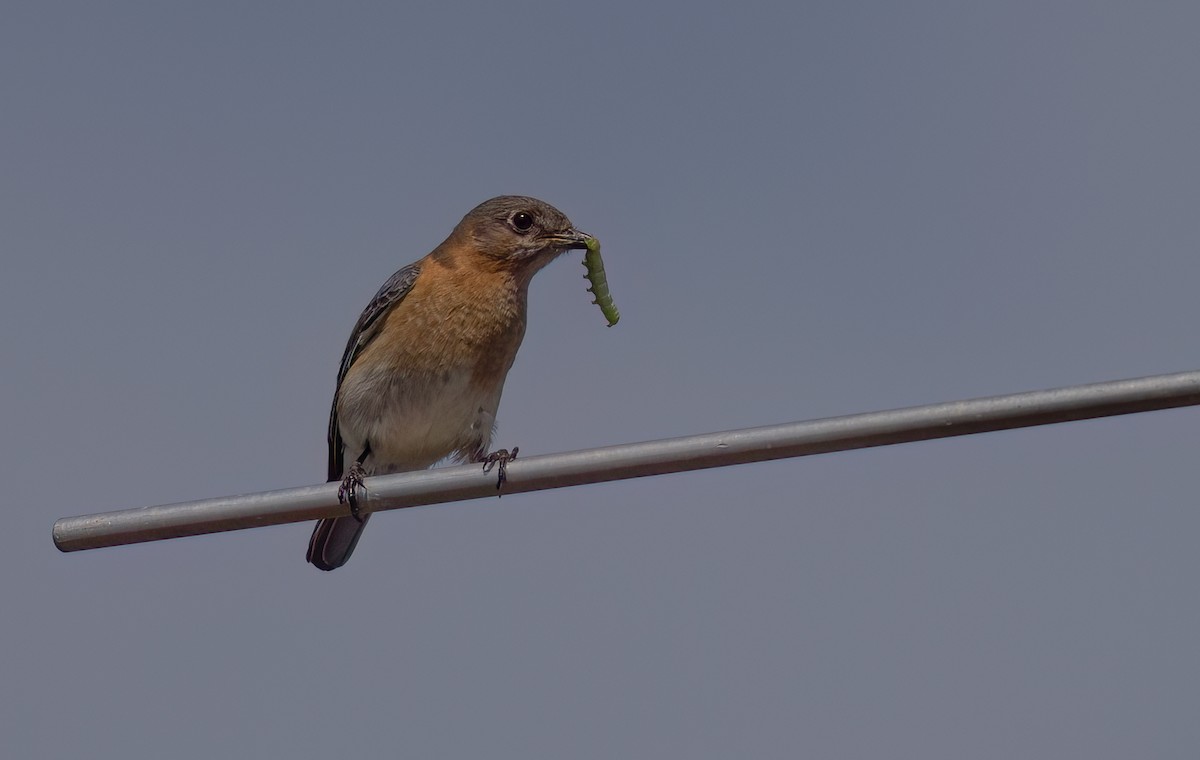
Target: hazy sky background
<point>807,209</point>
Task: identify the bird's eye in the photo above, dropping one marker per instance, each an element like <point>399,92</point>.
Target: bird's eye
<point>522,221</point>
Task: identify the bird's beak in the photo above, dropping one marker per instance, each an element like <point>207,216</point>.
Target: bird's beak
<point>572,239</point>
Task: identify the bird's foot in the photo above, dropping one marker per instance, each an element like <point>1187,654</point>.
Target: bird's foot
<point>502,458</point>
<point>348,490</point>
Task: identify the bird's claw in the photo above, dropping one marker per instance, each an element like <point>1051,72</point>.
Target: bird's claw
<point>502,458</point>
<point>348,490</point>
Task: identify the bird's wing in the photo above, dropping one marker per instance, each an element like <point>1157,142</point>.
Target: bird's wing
<point>365,330</point>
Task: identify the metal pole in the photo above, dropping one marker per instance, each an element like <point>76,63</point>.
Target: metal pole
<point>635,460</point>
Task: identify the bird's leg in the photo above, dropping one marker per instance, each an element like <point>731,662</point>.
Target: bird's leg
<point>502,458</point>
<point>351,483</point>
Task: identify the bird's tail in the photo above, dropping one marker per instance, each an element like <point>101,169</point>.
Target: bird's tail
<point>333,541</point>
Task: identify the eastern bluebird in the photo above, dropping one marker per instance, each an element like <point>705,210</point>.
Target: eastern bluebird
<point>422,373</point>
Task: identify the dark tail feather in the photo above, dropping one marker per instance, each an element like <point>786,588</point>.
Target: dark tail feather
<point>333,541</point>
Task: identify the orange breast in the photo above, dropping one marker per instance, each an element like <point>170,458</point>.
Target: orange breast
<point>456,318</point>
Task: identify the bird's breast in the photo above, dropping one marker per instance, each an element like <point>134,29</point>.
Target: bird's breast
<point>429,384</point>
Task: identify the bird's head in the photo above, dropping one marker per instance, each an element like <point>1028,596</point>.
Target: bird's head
<point>518,232</point>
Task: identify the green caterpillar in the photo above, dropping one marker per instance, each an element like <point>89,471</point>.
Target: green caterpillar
<point>595,275</point>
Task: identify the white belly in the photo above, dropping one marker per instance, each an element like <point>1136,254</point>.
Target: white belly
<point>413,422</point>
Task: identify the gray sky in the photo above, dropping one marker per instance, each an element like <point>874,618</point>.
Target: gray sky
<point>808,210</point>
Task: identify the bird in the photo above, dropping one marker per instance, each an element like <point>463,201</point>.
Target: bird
<point>422,373</point>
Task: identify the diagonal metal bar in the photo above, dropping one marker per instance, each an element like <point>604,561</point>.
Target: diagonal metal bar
<point>635,460</point>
